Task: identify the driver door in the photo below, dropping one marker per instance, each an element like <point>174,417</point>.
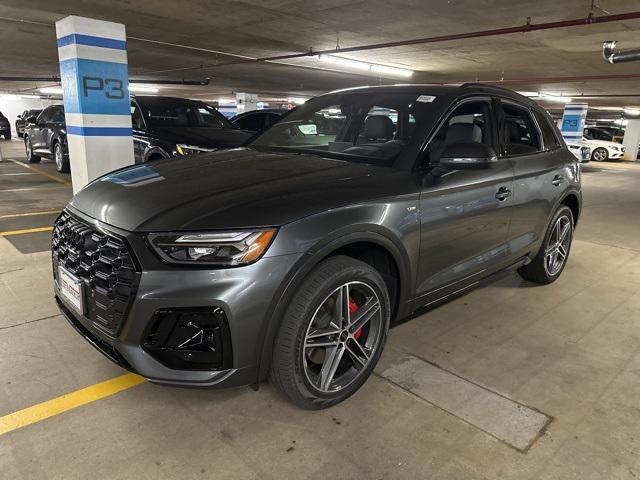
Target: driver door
<point>464,214</point>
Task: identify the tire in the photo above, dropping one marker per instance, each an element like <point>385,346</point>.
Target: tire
<point>20,135</point>
<point>62,160</point>
<point>29,151</point>
<point>542,269</point>
<point>7,136</point>
<point>296,368</point>
<point>600,154</point>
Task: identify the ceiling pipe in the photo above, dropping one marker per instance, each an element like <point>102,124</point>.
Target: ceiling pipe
<point>610,55</point>
<point>527,27</point>
<point>567,79</point>
<point>204,82</point>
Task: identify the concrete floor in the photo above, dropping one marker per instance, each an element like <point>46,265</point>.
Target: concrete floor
<point>570,350</point>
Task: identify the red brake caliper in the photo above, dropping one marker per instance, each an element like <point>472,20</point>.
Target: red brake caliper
<point>353,308</point>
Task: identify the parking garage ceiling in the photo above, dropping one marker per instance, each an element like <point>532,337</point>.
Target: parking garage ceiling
<point>191,38</point>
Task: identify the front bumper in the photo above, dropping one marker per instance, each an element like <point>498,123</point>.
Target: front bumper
<point>245,294</point>
<point>616,154</point>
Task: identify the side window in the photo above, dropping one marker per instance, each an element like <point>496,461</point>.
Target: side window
<point>45,116</point>
<point>548,133</point>
<point>468,123</point>
<point>519,134</point>
<point>136,117</point>
<point>251,122</point>
<point>272,119</point>
<point>57,115</point>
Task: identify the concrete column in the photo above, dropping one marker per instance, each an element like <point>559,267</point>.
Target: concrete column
<point>95,83</point>
<point>632,139</point>
<point>246,102</point>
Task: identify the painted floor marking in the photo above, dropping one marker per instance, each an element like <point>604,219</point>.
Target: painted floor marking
<point>69,401</point>
<point>41,172</point>
<point>24,231</point>
<point>501,417</point>
<point>29,214</point>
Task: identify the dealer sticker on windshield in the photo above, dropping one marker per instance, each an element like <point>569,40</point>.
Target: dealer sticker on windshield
<point>70,290</point>
<point>425,98</point>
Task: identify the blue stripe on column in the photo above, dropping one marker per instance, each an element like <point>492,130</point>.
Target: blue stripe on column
<point>99,131</point>
<point>92,41</point>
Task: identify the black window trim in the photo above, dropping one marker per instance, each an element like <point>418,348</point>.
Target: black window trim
<point>443,118</point>
<point>144,123</point>
<point>528,109</point>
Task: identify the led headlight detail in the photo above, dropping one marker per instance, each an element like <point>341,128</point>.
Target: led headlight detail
<point>183,149</point>
<point>215,248</point>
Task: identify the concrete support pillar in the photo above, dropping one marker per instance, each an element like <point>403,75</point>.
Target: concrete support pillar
<point>95,83</point>
<point>632,139</point>
<point>246,102</point>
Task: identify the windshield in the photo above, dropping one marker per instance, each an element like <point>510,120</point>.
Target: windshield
<point>176,112</point>
<point>369,126</point>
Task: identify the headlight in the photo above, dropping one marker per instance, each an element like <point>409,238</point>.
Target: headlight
<point>183,149</point>
<point>213,248</point>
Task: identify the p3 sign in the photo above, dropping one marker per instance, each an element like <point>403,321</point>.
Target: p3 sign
<point>111,88</point>
<point>96,87</point>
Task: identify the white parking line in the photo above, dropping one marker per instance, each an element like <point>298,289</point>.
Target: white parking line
<point>497,415</point>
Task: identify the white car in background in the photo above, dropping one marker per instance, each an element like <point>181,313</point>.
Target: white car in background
<point>580,150</point>
<point>601,150</point>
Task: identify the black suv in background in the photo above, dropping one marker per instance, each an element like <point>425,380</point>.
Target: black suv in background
<point>46,136</point>
<point>166,127</point>
<point>21,122</point>
<point>5,127</point>
<point>258,120</point>
<point>290,258</point>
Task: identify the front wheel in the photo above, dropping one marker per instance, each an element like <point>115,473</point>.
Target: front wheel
<point>600,154</point>
<point>332,334</point>
<point>547,266</point>
<point>28,146</point>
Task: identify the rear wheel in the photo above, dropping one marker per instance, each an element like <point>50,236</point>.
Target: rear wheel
<point>547,266</point>
<point>600,154</point>
<point>332,334</point>
<point>7,136</point>
<point>62,161</point>
<point>29,150</point>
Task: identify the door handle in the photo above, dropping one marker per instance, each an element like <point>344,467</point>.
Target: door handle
<point>557,180</point>
<point>503,193</point>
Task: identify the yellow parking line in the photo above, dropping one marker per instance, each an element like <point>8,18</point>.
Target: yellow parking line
<point>9,233</point>
<point>29,214</point>
<point>69,401</point>
<point>41,172</point>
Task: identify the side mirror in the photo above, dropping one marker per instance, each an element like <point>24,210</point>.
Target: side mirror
<point>31,120</point>
<point>471,155</point>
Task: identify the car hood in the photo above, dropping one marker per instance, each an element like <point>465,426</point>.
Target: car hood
<point>232,189</point>
<point>202,136</point>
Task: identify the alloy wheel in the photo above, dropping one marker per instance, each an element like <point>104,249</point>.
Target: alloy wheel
<point>342,337</point>
<point>558,246</point>
<point>58,155</point>
<point>600,155</point>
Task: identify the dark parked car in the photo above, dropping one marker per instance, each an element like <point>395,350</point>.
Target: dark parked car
<point>5,127</point>
<point>166,127</point>
<point>290,258</point>
<point>258,120</point>
<point>46,136</point>
<point>22,120</point>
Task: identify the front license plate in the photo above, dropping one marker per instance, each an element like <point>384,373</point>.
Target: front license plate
<point>71,290</point>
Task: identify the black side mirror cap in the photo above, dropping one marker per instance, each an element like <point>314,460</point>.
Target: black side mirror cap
<point>467,155</point>
<point>31,120</point>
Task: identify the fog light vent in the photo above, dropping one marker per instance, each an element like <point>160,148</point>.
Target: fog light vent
<point>190,339</point>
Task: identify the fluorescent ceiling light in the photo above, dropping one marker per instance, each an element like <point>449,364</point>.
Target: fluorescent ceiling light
<point>226,101</point>
<point>554,97</point>
<point>52,90</point>
<point>344,62</point>
<point>365,66</point>
<point>297,101</point>
<point>631,111</point>
<point>142,88</point>
<point>529,94</point>
<point>384,70</point>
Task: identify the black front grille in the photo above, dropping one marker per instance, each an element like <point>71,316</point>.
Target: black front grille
<point>105,265</point>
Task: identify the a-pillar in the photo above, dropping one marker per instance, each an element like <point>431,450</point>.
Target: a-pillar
<point>632,138</point>
<point>95,84</point>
